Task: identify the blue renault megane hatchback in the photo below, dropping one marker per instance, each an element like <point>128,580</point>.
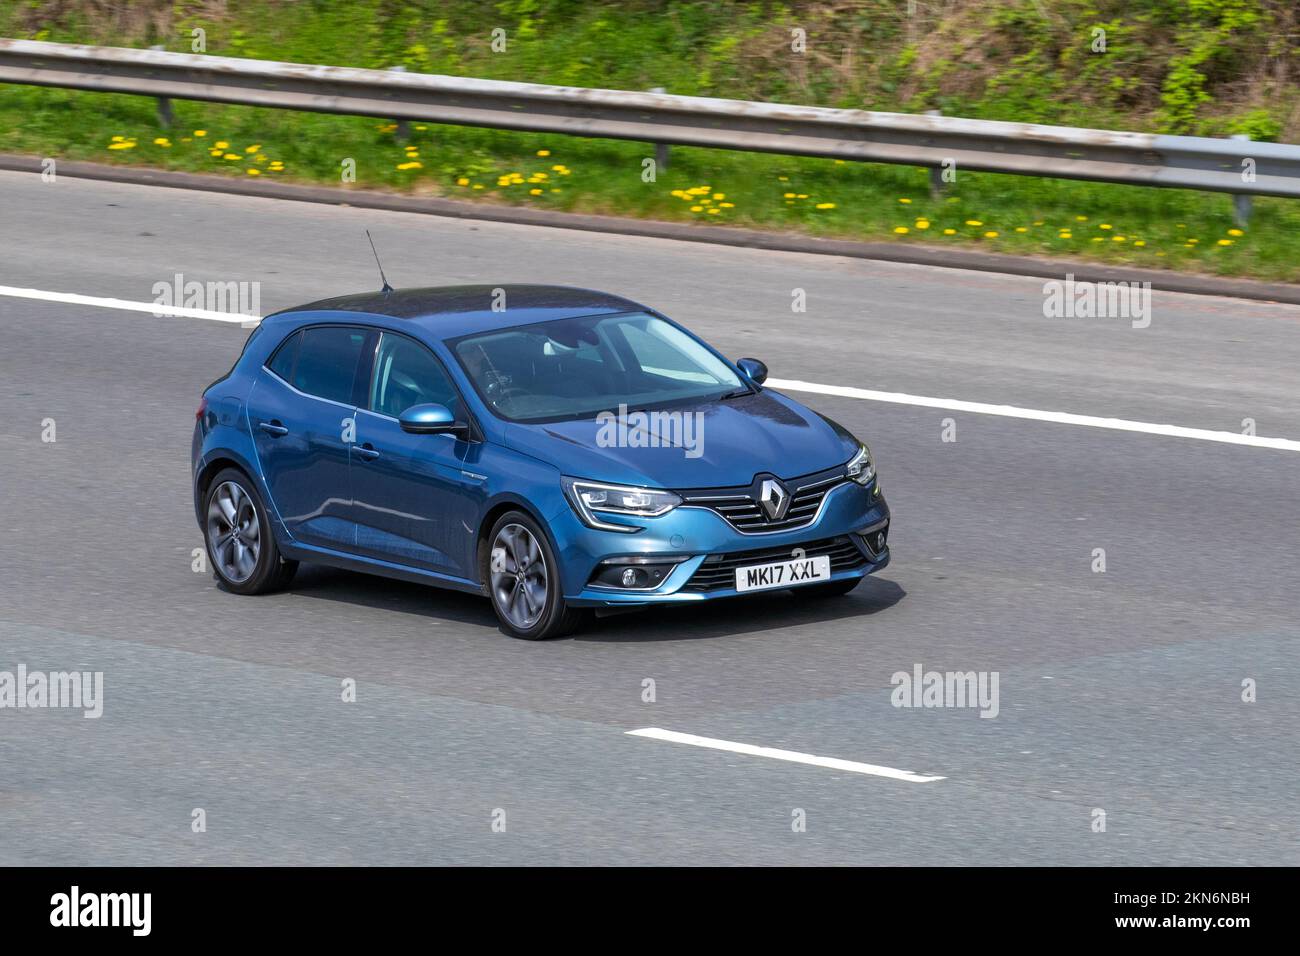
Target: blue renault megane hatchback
<point>558,450</point>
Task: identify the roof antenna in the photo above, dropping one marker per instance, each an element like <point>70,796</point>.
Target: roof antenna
<point>387,288</point>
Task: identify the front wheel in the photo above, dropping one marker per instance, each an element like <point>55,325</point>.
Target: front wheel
<point>524,581</point>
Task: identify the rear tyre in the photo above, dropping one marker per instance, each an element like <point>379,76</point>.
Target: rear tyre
<point>828,589</point>
<point>241,547</point>
<point>523,581</point>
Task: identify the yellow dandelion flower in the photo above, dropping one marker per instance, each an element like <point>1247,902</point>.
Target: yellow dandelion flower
<point>802,196</point>
<point>990,235</point>
<point>462,181</point>
<point>950,232</point>
<point>232,156</point>
<point>253,149</point>
<point>1098,238</point>
<point>697,209</point>
<point>1139,242</point>
<point>162,141</point>
<point>974,222</point>
<point>1225,242</point>
<point>411,165</point>
<point>789,196</point>
<point>1080,218</point>
<point>905,202</point>
<point>534,192</point>
<point>714,212</point>
<point>1066,235</point>
<point>825,205</point>
<point>253,172</point>
<point>1038,222</point>
<point>125,144</point>
<point>727,205</point>
<point>200,132</point>
<point>1103,225</point>
<point>543,152</point>
<point>221,144</point>
<point>1235,232</point>
<point>478,186</point>
<point>923,224</point>
<point>1022,229</point>
<point>902,230</point>
<point>1119,238</point>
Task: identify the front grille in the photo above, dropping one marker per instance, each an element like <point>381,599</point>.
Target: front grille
<point>718,572</point>
<point>743,511</point>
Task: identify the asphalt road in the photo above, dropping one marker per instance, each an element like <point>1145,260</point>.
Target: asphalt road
<point>1119,691</point>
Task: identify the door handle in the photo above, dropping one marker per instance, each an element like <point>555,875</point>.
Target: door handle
<point>366,451</point>
<point>273,428</point>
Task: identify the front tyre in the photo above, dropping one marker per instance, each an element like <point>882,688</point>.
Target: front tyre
<point>241,548</point>
<point>523,580</point>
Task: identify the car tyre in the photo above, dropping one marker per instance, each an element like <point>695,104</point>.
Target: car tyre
<point>237,531</point>
<point>523,581</point>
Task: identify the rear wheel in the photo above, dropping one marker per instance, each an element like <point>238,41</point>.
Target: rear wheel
<point>245,558</point>
<point>524,581</point>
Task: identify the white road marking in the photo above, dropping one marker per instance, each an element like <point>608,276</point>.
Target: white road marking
<point>72,298</point>
<point>844,391</point>
<point>1037,415</point>
<point>832,763</point>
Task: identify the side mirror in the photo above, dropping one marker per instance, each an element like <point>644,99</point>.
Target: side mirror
<point>431,420</point>
<point>754,370</point>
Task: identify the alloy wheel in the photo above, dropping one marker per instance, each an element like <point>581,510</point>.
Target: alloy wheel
<point>518,575</point>
<point>234,532</point>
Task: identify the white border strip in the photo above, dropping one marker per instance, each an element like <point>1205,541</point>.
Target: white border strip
<point>1033,414</point>
<point>793,756</point>
<point>154,308</point>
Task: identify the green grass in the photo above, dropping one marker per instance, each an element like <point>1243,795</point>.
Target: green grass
<point>994,59</point>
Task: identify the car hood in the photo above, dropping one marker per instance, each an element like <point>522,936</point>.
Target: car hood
<point>728,444</point>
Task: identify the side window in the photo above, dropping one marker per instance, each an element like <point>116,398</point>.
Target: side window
<point>406,374</point>
<point>327,362</point>
<point>285,356</point>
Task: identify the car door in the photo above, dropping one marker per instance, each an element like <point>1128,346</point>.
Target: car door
<point>416,498</point>
<point>302,411</point>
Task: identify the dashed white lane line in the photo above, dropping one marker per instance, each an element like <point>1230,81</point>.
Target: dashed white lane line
<point>843,391</point>
<point>154,308</point>
<point>793,756</point>
<point>1037,415</point>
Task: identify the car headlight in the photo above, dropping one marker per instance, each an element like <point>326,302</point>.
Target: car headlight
<point>860,467</point>
<point>590,498</point>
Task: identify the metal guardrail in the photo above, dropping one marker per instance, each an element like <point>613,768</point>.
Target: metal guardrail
<point>1143,159</point>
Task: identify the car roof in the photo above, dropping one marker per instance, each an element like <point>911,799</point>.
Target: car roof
<point>454,310</point>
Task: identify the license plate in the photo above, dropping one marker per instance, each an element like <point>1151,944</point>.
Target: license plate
<point>783,574</point>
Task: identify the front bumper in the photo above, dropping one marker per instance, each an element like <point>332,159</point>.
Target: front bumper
<point>704,546</point>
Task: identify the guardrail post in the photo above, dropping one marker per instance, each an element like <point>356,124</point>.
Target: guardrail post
<point>936,174</point>
<point>1241,203</point>
<point>403,132</point>
<point>661,149</point>
<point>165,117</point>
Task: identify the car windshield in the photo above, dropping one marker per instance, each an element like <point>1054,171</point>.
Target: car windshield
<point>577,368</point>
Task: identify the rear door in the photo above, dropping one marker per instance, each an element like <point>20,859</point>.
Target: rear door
<point>417,498</point>
<point>302,413</point>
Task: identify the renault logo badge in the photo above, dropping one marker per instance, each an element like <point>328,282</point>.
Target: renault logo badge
<point>774,499</point>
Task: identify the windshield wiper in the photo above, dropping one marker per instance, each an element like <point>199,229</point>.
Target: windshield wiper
<point>735,394</point>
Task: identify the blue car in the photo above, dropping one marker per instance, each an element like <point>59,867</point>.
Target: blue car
<point>558,450</point>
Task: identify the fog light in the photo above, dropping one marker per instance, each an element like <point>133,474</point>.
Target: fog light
<point>629,577</point>
<point>634,573</point>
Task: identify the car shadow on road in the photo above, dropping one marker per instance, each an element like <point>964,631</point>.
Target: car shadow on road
<point>711,619</point>
<point>747,615</point>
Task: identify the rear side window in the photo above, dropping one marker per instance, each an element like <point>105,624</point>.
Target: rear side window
<point>327,362</point>
<point>285,356</point>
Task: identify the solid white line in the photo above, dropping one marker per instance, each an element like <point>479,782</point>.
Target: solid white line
<point>844,391</point>
<point>1033,414</point>
<point>73,298</point>
<point>832,763</point>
